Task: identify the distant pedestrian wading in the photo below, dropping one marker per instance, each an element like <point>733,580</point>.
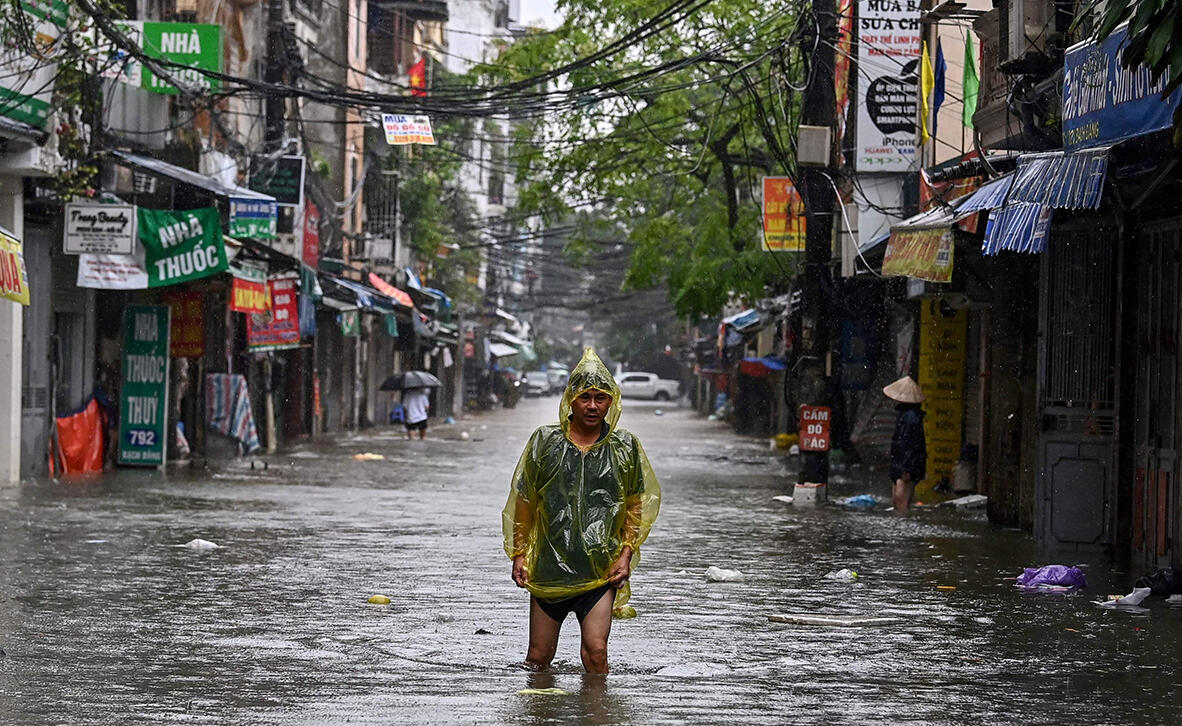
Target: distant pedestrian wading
<point>582,500</point>
<point>909,455</point>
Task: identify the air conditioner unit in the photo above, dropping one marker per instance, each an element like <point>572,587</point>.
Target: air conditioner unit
<point>1029,37</point>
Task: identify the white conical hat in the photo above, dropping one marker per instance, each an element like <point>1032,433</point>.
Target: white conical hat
<point>904,390</point>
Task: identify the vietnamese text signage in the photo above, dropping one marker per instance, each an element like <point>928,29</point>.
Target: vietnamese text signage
<point>814,428</point>
<point>187,326</point>
<point>248,294</point>
<point>888,73</point>
<point>783,216</point>
<point>253,218</point>
<point>107,229</point>
<point>942,361</point>
<point>143,395</point>
<point>1104,102</point>
<point>925,254</point>
<point>402,130</point>
<point>282,178</point>
<point>197,46</point>
<point>311,252</point>
<point>278,328</point>
<point>14,280</point>
<point>181,246</point>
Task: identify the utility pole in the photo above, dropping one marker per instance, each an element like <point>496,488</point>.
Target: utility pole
<point>816,365</point>
<point>276,130</point>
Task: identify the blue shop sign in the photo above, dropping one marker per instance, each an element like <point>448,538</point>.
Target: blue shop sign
<point>1103,102</point>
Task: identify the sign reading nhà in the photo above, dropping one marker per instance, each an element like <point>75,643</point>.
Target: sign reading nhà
<point>197,46</point>
<point>107,229</point>
<point>784,223</point>
<point>814,427</point>
<point>402,130</point>
<point>181,246</point>
<point>143,395</point>
<point>888,74</point>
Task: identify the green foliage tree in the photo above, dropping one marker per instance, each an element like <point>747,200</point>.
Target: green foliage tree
<point>1155,41</point>
<point>667,139</point>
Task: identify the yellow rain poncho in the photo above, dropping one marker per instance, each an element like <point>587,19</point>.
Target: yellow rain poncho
<point>571,513</point>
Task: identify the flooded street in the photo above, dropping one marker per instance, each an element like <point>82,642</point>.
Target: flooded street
<point>105,618</point>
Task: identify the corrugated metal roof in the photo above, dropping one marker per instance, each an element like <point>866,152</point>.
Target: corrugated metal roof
<point>1020,227</point>
<point>989,196</point>
<point>1062,180</point>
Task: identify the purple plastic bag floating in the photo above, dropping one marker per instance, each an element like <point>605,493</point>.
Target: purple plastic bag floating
<point>1053,576</point>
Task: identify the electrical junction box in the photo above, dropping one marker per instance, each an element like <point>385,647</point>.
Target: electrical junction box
<point>813,145</point>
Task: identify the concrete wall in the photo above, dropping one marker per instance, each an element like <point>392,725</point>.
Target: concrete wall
<point>11,332</point>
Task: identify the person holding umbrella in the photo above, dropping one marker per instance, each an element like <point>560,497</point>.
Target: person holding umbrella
<point>415,398</point>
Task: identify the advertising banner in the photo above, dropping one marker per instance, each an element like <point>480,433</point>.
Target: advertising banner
<point>248,294</point>
<point>14,279</point>
<point>107,229</point>
<point>143,395</point>
<point>188,325</point>
<point>253,218</point>
<point>112,272</point>
<point>402,130</point>
<point>784,224</point>
<point>942,360</point>
<point>181,246</point>
<point>311,248</point>
<point>1104,102</point>
<point>925,254</point>
<point>888,90</point>
<point>279,328</point>
<point>197,46</point>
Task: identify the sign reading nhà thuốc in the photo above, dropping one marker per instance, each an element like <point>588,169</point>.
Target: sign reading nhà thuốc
<point>181,246</point>
<point>195,47</point>
<point>143,393</point>
<point>107,229</point>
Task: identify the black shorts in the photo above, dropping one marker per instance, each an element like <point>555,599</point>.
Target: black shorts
<point>417,425</point>
<point>580,604</point>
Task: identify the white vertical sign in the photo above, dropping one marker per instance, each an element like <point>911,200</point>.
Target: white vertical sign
<point>888,84</point>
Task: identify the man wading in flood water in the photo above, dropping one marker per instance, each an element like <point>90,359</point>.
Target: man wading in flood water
<point>582,501</point>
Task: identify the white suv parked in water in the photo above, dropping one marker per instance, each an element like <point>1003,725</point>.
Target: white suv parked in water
<point>634,384</point>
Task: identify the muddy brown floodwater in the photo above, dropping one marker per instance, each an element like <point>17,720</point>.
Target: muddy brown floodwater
<point>104,619</point>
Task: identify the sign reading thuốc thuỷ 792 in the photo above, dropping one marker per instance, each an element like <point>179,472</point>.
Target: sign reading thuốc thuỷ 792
<point>143,396</point>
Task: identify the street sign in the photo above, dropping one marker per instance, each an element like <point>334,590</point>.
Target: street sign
<point>107,229</point>
<point>814,428</point>
<point>143,395</point>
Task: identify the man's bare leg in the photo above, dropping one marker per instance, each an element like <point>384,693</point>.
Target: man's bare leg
<point>543,637</point>
<point>901,496</point>
<point>596,627</point>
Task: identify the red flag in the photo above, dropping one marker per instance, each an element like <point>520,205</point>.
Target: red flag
<point>417,77</point>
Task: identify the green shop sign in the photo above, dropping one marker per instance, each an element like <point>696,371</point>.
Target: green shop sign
<point>197,46</point>
<point>143,395</point>
<point>181,246</point>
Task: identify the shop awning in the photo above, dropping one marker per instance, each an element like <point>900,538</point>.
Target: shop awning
<point>366,297</point>
<point>186,176</point>
<point>761,367</point>
<point>742,320</point>
<point>1021,227</point>
<point>501,350</point>
<point>990,196</point>
<point>507,338</point>
<point>387,289</point>
<point>1060,179</point>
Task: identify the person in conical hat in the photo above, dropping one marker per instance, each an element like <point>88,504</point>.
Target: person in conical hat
<point>582,501</point>
<point>908,450</point>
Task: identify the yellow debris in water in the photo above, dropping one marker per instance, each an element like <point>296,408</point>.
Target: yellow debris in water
<point>378,600</point>
<point>543,692</point>
<point>625,612</point>
<point>369,457</point>
<point>945,587</point>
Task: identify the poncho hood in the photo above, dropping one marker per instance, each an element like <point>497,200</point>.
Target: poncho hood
<point>590,374</point>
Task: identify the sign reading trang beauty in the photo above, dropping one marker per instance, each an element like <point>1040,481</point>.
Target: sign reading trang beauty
<point>107,229</point>
<point>254,218</point>
<point>196,46</point>
<point>181,246</point>
<point>143,395</point>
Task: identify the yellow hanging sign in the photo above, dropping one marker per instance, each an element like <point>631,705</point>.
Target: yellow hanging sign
<point>14,281</point>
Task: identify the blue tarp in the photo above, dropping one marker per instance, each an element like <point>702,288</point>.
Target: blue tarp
<point>1061,180</point>
<point>989,196</point>
<point>770,362</point>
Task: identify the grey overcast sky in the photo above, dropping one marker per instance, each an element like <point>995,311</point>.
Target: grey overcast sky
<point>539,12</point>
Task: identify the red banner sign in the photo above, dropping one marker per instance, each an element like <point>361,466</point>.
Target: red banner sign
<point>248,296</point>
<point>279,327</point>
<point>784,225</point>
<point>311,252</point>
<point>814,428</point>
<point>188,325</point>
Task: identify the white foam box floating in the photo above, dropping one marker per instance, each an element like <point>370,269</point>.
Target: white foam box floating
<point>809,493</point>
<point>838,621</point>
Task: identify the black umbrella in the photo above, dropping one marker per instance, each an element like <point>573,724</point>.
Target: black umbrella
<point>410,379</point>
